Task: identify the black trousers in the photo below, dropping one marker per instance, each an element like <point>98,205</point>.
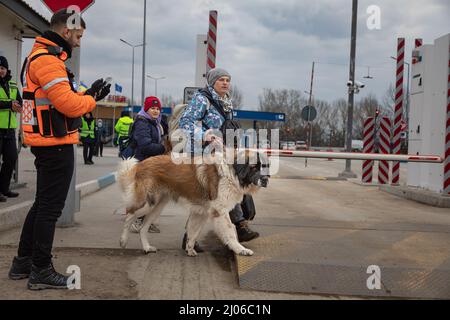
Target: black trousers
<point>8,151</point>
<point>54,167</point>
<point>98,149</point>
<point>88,150</point>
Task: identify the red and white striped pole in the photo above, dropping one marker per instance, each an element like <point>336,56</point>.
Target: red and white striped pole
<point>369,135</point>
<point>398,108</point>
<point>212,38</point>
<point>447,138</point>
<point>417,44</point>
<point>384,148</point>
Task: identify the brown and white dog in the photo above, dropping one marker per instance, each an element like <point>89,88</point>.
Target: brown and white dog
<point>208,190</point>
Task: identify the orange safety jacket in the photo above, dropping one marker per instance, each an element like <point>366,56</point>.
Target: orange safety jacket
<point>51,107</point>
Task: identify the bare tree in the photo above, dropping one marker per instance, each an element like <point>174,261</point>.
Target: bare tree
<point>388,102</point>
<point>169,101</point>
<point>365,108</point>
<point>236,96</point>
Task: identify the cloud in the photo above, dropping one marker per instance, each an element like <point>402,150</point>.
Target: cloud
<point>263,43</point>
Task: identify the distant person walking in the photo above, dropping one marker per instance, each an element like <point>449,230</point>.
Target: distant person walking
<point>122,129</point>
<point>87,135</point>
<point>101,137</point>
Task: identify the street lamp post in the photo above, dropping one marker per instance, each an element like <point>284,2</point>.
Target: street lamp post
<point>351,92</point>
<point>132,70</point>
<point>156,83</point>
<point>144,41</point>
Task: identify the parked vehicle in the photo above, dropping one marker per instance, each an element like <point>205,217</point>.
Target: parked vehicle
<point>291,145</point>
<point>301,145</point>
<point>357,145</point>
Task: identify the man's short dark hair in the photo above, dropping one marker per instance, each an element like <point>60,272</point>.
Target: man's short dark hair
<point>61,17</point>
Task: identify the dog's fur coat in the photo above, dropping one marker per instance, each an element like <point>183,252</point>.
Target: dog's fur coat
<point>207,190</point>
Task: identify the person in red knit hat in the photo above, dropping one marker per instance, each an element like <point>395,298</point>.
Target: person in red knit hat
<point>147,133</point>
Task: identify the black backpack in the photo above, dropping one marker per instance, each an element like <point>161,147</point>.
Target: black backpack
<point>128,145</point>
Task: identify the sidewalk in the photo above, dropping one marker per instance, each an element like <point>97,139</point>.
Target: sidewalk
<point>13,212</point>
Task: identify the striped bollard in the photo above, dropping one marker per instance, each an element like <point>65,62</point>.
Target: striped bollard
<point>384,148</point>
<point>212,37</point>
<point>447,139</point>
<point>369,134</point>
<point>398,108</point>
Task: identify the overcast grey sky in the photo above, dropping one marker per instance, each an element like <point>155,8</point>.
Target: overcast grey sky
<point>262,43</point>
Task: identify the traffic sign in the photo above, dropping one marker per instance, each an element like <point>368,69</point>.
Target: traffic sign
<point>189,93</point>
<point>309,113</point>
<point>56,5</point>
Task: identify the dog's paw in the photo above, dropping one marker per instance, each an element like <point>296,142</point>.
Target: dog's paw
<point>150,249</point>
<point>246,252</point>
<point>191,253</point>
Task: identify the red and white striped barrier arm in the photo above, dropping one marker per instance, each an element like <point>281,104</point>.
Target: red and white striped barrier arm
<point>384,148</point>
<point>447,138</point>
<point>398,108</point>
<point>212,40</point>
<point>351,155</point>
<point>369,135</point>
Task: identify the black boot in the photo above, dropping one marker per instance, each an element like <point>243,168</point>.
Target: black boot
<point>197,247</point>
<point>46,278</point>
<point>3,198</point>
<point>20,269</point>
<point>244,233</point>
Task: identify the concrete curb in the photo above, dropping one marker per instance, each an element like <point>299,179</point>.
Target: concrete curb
<point>14,216</point>
<point>420,195</point>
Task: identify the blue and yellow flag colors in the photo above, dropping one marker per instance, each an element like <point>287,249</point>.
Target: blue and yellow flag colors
<point>82,87</point>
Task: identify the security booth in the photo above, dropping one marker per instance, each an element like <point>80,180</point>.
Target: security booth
<point>429,115</point>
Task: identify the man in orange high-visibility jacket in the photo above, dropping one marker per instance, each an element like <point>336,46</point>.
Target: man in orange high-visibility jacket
<point>51,117</point>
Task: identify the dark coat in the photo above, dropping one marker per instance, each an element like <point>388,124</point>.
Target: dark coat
<point>146,136</point>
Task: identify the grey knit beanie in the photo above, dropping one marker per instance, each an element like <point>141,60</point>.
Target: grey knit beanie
<point>214,74</point>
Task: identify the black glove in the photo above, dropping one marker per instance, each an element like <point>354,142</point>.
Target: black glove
<point>95,89</point>
<point>104,92</point>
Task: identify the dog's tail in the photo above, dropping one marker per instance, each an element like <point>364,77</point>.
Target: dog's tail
<point>125,174</point>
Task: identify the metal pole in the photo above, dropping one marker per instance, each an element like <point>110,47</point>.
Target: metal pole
<point>407,97</point>
<point>67,218</point>
<point>143,54</point>
<point>351,93</point>
<point>132,84</point>
<point>309,111</point>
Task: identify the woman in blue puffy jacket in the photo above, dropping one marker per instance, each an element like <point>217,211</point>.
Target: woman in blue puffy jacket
<point>148,131</point>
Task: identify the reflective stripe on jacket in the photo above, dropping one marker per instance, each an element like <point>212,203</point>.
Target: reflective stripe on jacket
<point>87,131</point>
<point>123,127</point>
<point>8,118</point>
